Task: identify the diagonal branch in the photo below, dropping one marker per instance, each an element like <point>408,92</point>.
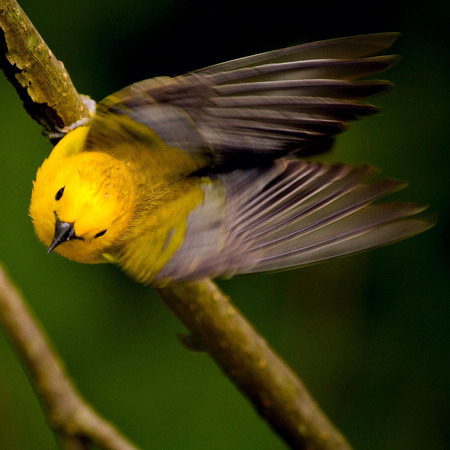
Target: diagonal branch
<point>216,326</point>
<point>246,358</point>
<point>40,80</point>
<point>68,413</point>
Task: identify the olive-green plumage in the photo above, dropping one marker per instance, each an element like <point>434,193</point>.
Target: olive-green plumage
<point>200,175</point>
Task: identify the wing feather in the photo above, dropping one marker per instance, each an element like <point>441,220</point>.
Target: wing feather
<point>257,108</point>
<point>346,47</point>
<point>289,214</point>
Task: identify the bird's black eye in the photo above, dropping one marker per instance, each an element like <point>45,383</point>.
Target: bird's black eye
<point>101,233</point>
<point>59,194</point>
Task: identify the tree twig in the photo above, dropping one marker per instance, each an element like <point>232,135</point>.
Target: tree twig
<point>40,80</point>
<point>216,326</point>
<point>68,413</point>
<point>245,357</point>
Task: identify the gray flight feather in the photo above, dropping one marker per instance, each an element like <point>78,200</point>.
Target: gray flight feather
<point>290,214</point>
<point>255,109</point>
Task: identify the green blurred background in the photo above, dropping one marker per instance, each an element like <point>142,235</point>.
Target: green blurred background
<point>368,334</point>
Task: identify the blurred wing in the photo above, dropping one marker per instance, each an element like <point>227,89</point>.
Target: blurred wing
<point>257,108</point>
<point>290,214</point>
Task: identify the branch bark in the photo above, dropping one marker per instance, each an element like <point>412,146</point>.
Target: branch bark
<point>245,357</point>
<point>216,326</point>
<point>41,81</point>
<point>68,413</point>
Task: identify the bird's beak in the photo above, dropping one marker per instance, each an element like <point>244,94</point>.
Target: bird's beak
<point>64,231</point>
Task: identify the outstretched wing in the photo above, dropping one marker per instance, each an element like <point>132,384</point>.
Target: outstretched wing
<point>253,109</point>
<point>290,214</point>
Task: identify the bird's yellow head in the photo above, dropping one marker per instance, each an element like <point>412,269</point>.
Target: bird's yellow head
<point>82,202</point>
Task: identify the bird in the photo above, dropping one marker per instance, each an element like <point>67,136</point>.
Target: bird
<point>211,173</point>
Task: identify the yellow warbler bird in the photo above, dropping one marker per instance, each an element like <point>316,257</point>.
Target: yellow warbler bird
<point>200,175</point>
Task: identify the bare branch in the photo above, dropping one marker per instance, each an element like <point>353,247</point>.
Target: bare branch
<point>41,81</point>
<point>252,365</point>
<point>68,412</point>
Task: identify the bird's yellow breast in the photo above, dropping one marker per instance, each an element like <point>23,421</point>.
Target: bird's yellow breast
<point>158,230</point>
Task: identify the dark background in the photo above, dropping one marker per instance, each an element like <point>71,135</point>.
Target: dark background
<point>368,334</point>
